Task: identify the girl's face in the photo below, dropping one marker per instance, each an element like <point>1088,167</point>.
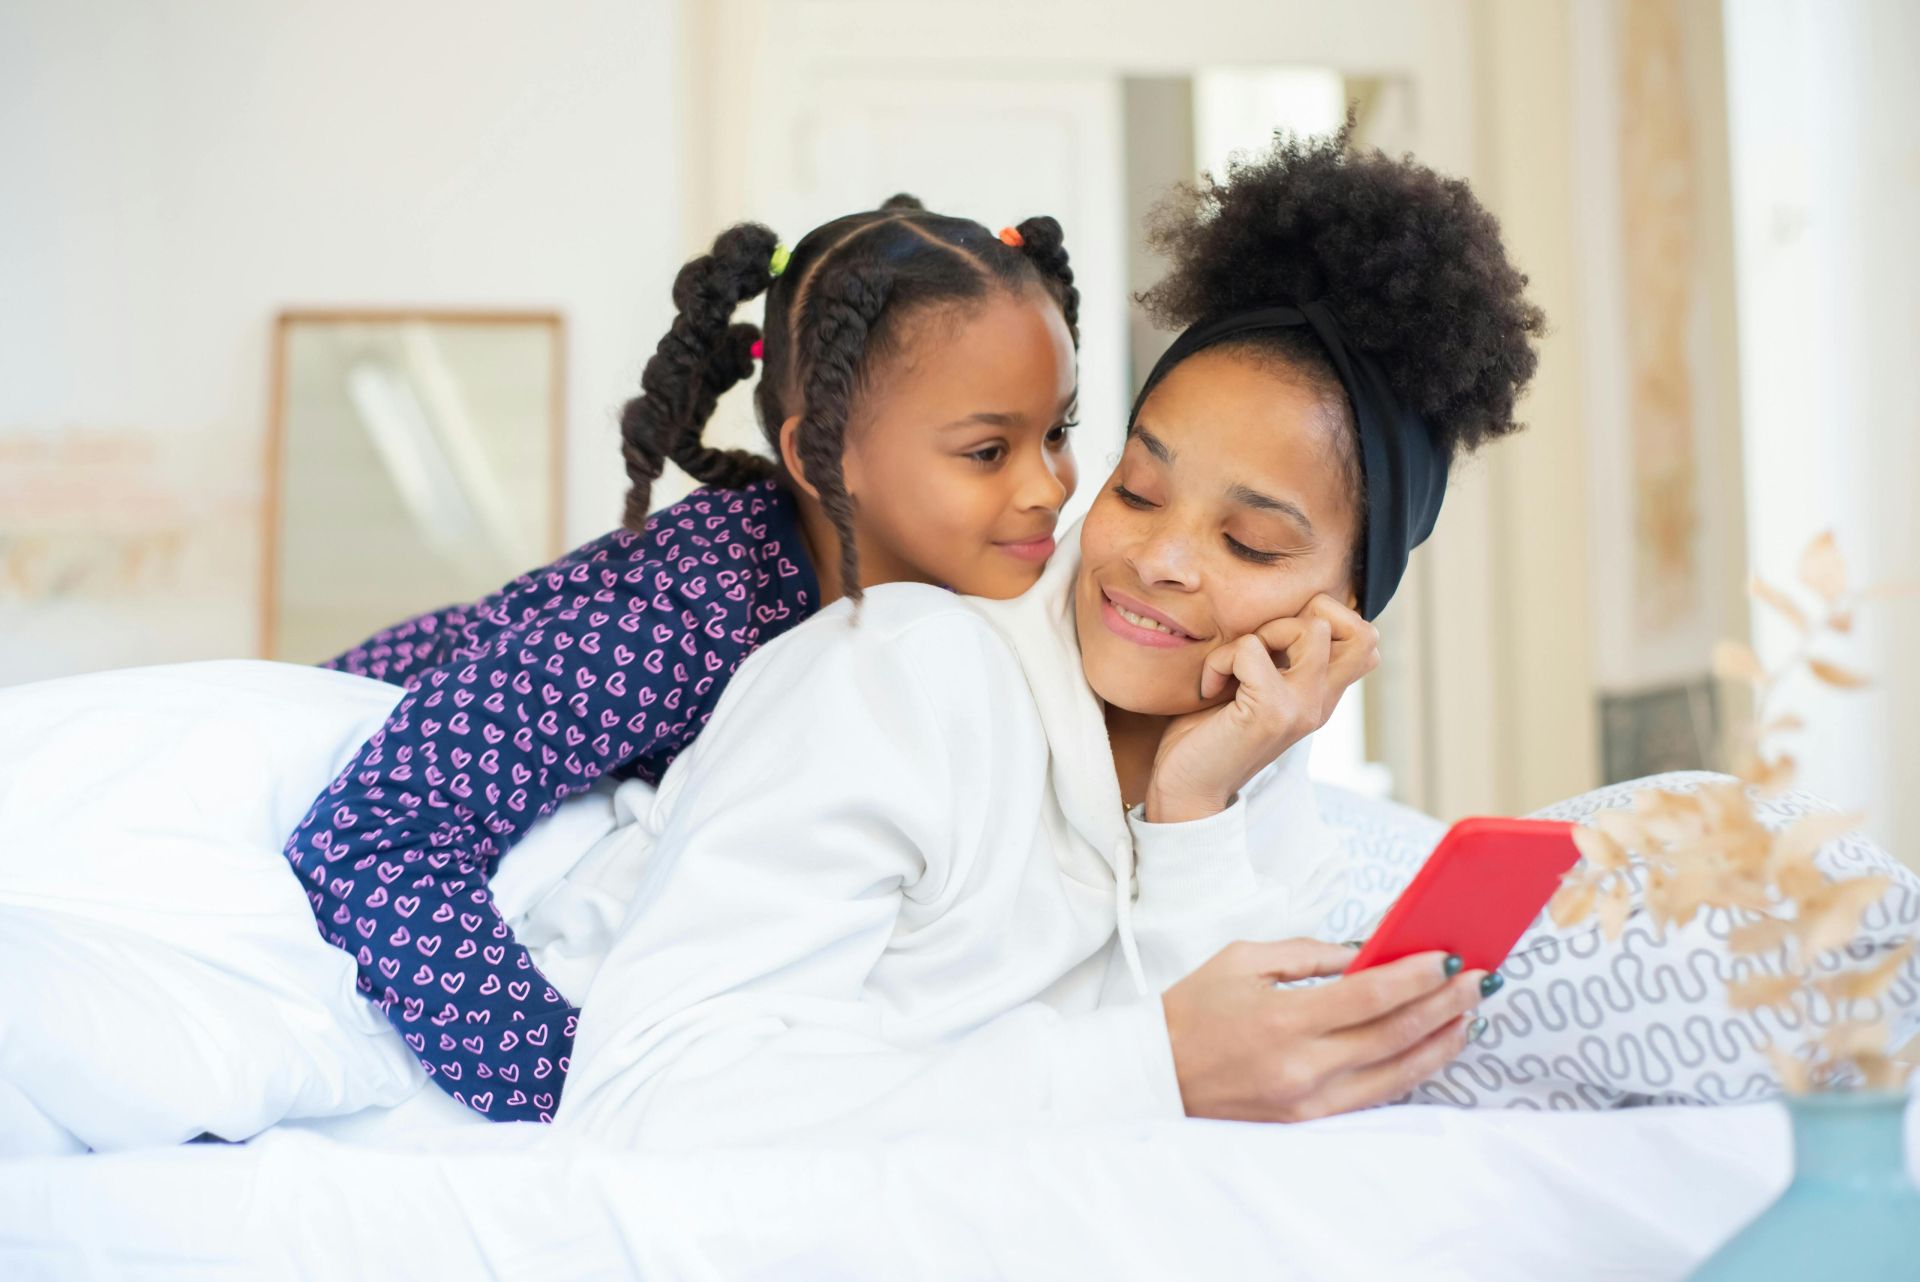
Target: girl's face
<point>959,461</point>
<point>1232,507</point>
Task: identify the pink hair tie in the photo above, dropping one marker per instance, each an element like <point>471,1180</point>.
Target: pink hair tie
<point>759,349</point>
<point>1011,236</point>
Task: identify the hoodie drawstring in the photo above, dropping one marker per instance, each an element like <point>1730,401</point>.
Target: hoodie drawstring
<point>1123,912</point>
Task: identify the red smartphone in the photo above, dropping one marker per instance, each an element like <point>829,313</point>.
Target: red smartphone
<point>1479,890</point>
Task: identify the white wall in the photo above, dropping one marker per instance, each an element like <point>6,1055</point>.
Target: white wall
<point>1542,623</point>
<point>1823,105</point>
<point>173,173</point>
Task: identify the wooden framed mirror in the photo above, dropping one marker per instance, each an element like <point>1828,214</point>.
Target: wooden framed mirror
<point>414,459</point>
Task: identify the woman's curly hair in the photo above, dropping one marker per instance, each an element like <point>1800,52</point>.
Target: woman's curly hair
<point>1410,262</point>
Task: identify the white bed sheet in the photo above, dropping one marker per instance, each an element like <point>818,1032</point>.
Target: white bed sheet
<point>1404,1193</point>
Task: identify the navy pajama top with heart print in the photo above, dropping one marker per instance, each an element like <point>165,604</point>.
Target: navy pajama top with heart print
<point>607,662</point>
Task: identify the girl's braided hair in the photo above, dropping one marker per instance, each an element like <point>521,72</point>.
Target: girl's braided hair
<point>836,313</point>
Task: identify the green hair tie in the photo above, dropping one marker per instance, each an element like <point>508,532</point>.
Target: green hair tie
<point>778,264</point>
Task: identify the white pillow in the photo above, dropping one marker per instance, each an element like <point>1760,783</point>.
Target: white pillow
<point>163,973</point>
<point>1584,1022</point>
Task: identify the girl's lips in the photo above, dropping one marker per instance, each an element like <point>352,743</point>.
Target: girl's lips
<point>1126,630</point>
<point>1032,550</point>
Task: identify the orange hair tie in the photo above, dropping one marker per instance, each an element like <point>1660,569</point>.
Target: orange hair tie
<point>1011,236</point>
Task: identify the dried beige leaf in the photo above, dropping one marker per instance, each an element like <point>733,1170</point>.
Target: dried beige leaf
<point>1883,1072</point>
<point>1736,661</point>
<point>1823,569</point>
<point>1600,850</point>
<point>1676,828</point>
<point>1658,883</point>
<point>1759,936</point>
<point>1830,917</point>
<point>1622,825</point>
<point>1733,890</point>
<point>1762,990</point>
<point>1786,723</point>
<point>1724,803</point>
<point>1659,803</point>
<point>1771,778</point>
<point>1572,902</point>
<point>1685,892</point>
<point>1792,1070</point>
<point>1853,1038</point>
<point>1782,604</point>
<point>1615,907</point>
<point>1868,982</point>
<point>1743,845</point>
<point>1807,834</point>
<point>1799,880</point>
<point>1835,675</point>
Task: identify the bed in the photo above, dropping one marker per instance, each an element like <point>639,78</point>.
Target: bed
<point>164,981</point>
<point>1404,1193</point>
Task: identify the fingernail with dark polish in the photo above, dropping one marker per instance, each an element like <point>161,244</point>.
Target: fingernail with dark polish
<point>1477,1028</point>
<point>1454,966</point>
<point>1354,943</point>
<point>1492,984</point>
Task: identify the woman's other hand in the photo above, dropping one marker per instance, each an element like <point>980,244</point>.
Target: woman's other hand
<point>1290,675</point>
<point>1246,1050</point>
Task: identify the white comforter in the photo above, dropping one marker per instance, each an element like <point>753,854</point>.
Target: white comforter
<point>1404,1193</point>
<point>160,977</point>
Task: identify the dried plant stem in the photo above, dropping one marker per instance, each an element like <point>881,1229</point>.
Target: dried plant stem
<point>1707,850</point>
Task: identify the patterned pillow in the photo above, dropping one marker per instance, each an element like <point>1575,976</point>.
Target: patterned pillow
<point>1584,1022</point>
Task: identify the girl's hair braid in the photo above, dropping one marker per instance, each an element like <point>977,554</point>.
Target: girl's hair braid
<point>693,363</point>
<point>1046,247</point>
<point>732,363</point>
<point>842,313</point>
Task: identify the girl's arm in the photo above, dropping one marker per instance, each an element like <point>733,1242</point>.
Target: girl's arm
<point>853,775</point>
<point>395,855</point>
<point>398,653</point>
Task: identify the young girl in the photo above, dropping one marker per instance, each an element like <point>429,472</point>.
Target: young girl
<point>1005,892</point>
<point>917,387</point>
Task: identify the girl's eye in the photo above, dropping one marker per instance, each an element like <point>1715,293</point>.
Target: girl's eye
<point>1246,553</point>
<point>988,456</point>
<point>1058,435</point>
<point>1131,499</point>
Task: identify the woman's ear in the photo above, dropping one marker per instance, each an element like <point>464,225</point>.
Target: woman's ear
<point>790,455</point>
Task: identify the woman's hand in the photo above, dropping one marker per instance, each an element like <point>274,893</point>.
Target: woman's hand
<point>1247,1051</point>
<point>1206,757</point>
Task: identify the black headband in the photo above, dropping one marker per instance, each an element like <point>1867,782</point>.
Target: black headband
<point>1405,468</point>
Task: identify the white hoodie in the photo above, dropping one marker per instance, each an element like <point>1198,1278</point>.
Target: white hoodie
<point>885,893</point>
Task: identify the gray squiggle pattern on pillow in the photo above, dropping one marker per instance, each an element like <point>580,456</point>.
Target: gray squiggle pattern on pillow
<point>1585,1023</point>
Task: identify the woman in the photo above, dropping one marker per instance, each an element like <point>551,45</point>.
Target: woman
<point>969,862</point>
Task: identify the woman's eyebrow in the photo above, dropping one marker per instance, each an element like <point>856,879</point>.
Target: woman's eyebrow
<point>1249,497</point>
<point>1155,446</point>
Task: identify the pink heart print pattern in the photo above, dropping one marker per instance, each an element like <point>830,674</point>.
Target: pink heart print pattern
<point>607,662</point>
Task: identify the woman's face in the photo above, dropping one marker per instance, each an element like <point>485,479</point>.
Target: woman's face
<point>1232,506</point>
<point>961,461</point>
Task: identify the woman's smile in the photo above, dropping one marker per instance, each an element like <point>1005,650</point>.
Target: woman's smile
<point>1134,621</point>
